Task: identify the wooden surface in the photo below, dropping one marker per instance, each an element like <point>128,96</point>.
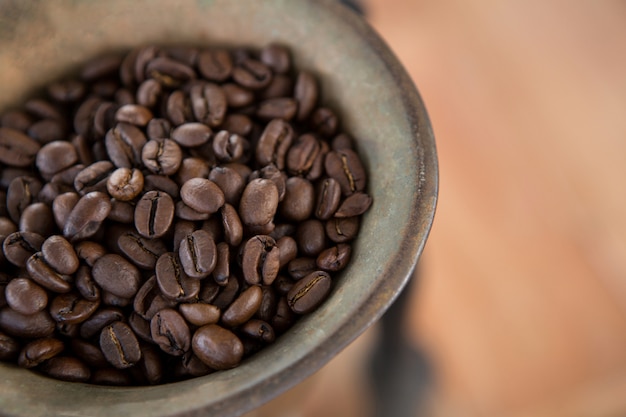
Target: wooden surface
<point>521,306</point>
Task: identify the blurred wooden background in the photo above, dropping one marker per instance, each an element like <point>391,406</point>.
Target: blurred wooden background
<point>521,307</point>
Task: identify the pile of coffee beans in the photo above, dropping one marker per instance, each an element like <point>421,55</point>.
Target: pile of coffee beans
<point>167,212</point>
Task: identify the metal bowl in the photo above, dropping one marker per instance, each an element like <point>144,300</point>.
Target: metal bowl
<point>378,104</point>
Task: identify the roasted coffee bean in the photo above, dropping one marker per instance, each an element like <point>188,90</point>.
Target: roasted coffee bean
<point>222,266</point>
<point>306,92</point>
<point>149,299</point>
<point>335,258</point>
<point>9,347</point>
<point>160,183</point>
<point>276,57</point>
<point>260,260</point>
<point>229,181</point>
<point>86,285</point>
<point>8,174</point>
<point>122,211</point>
<point>170,331</point>
<point>140,326</point>
<point>302,154</point>
<point>119,345</point>
<point>198,254</point>
<point>44,275</point>
<point>191,366</point>
<point>101,67</point>
<point>150,365</point>
<point>346,167</point>
<point>274,143</point>
<point>288,249</point>
<point>103,120</point>
<point>158,129</point>
<point>143,56</point>
<point>66,368</point>
<point>16,119</point>
<point>55,156</point>
<point>116,275</point>
<point>124,145</point>
<point>89,252</point>
<point>299,268</point>
<point>38,351</point>
<point>184,212</point>
<point>100,319</point>
<point>142,251</point>
<point>227,293</point>
<point>154,213</point>
<point>47,131</point>
<point>244,307</point>
<point>299,200</point>
<point>208,291</point>
<point>217,347</point>
<point>25,296</point>
<point>125,184</point>
<point>84,117</point>
<point>259,329</point>
<point>272,173</point>
<point>37,218</point>
<point>17,149</point>
<point>60,255</point>
<point>200,314</point>
<point>228,146</point>
<point>89,353</point>
<point>280,107</point>
<point>324,121</point>
<point>19,246</point>
<point>259,202</point>
<point>148,93</point>
<point>328,198</point>
<point>309,292</point>
<point>33,326</point>
<point>134,114</point>
<point>233,228</point>
<point>93,177</point>
<point>51,190</point>
<point>237,123</point>
<point>66,91</point>
<point>237,96</point>
<point>208,103</point>
<point>162,156</point>
<point>182,228</point>
<point>169,72</point>
<point>252,74</point>
<point>173,281</point>
<point>311,237</point>
<point>192,167</point>
<point>267,309</point>
<point>215,64</point>
<point>192,134</point>
<point>113,300</point>
<point>178,108</point>
<point>6,227</point>
<point>22,192</point>
<point>202,195</point>
<point>281,86</point>
<point>110,376</point>
<point>354,205</point>
<point>71,308</point>
<point>87,215</point>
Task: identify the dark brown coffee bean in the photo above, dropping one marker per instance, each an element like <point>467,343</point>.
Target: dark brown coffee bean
<point>93,177</point>
<point>158,129</point>
<point>308,293</point>
<point>124,97</point>
<point>299,200</point>
<point>192,134</point>
<point>288,249</point>
<point>208,103</point>
<point>37,218</point>
<point>244,307</point>
<point>162,156</point>
<point>217,347</point>
<point>17,149</point>
<point>71,308</point>
<point>272,173</point>
<point>328,199</point>
<point>6,227</point>
<point>21,325</point>
<point>89,252</point>
<point>55,156</point>
<point>39,351</point>
<point>200,314</point>
<point>154,213</point>
<point>184,212</point>
<point>215,64</point>
<point>261,260</point>
<point>267,310</point>
<point>281,86</point>
<point>69,331</point>
<point>178,108</point>
<point>311,237</point>
<point>192,167</point>
<point>259,329</point>
<point>182,228</point>
<point>99,320</point>
<point>19,246</point>
<point>277,57</point>
<point>161,183</point>
<point>89,353</point>
<point>87,215</point>
<point>229,181</point>
<point>22,192</point>
<point>208,291</point>
<point>302,154</point>
<point>277,108</point>
<point>125,184</point>
<point>354,205</point>
<point>233,228</point>
<point>66,368</point>
<point>101,67</point>
<point>51,190</point>
<point>252,74</point>
<point>84,116</point>
<point>66,91</point>
<point>168,72</point>
<point>119,345</point>
<point>149,300</point>
<point>202,195</point>
<point>228,146</point>
<point>141,251</point>
<point>335,258</point>
<point>24,296</point>
<point>227,293</point>
<point>143,56</point>
<point>237,96</point>
<point>150,365</point>
<point>124,144</point>
<point>141,327</point>
<point>274,143</point>
<point>44,275</point>
<point>190,366</point>
<point>170,332</point>
<point>8,174</point>
<point>103,119</point>
<point>259,202</point>
<point>306,92</point>
<point>9,347</point>
<point>299,268</point>
<point>198,254</point>
<point>47,130</point>
<point>116,275</point>
<point>122,211</point>
<point>221,273</point>
<point>134,114</point>
<point>173,281</point>
<point>237,123</point>
<point>60,255</point>
<point>16,119</point>
<point>324,121</point>
<point>111,377</point>
<point>346,167</point>
<point>86,285</point>
<point>149,93</point>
